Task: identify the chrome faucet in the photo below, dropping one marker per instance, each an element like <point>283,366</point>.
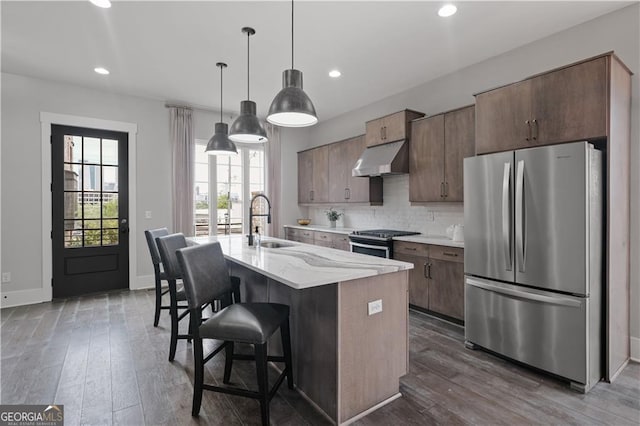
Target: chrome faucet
<point>251,215</point>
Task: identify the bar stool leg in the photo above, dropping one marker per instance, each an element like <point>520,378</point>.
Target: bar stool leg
<point>198,370</point>
<point>228,362</point>
<point>286,349</point>
<point>158,301</point>
<point>174,320</point>
<point>263,381</point>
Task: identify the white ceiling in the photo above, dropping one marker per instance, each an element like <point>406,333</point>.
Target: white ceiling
<point>168,50</point>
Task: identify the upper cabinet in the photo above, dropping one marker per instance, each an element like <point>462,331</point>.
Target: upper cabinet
<point>559,106</point>
<point>390,128</point>
<point>345,188</point>
<point>324,175</point>
<point>438,146</point>
<point>313,175</point>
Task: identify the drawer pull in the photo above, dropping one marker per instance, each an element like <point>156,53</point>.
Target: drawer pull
<point>448,253</point>
<point>411,248</point>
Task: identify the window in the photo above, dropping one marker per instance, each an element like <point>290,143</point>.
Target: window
<point>223,183</point>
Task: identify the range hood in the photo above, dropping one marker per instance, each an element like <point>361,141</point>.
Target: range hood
<point>390,158</point>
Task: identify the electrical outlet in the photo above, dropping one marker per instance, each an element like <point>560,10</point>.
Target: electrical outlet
<point>375,307</point>
<point>147,214</point>
<point>6,277</point>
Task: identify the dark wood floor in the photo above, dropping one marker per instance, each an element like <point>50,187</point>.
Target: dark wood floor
<point>102,358</point>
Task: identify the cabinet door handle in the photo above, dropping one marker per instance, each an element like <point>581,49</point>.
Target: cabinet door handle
<point>429,271</point>
<point>424,270</point>
<point>411,248</point>
<point>528,123</point>
<point>347,193</point>
<point>535,134</point>
<point>441,189</point>
<point>311,195</point>
<point>446,189</point>
<point>382,133</point>
<point>385,132</point>
<point>448,253</point>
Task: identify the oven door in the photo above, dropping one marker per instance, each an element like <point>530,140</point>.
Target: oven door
<point>370,249</point>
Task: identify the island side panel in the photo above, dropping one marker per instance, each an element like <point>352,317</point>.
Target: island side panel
<point>373,349</point>
<point>314,333</point>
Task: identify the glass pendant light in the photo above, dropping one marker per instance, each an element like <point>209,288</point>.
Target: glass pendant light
<point>292,107</point>
<point>220,144</point>
<point>247,127</point>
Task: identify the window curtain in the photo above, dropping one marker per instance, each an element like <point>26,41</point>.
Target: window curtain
<point>182,146</point>
<point>273,187</point>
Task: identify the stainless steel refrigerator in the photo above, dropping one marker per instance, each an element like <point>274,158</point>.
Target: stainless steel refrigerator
<point>533,258</point>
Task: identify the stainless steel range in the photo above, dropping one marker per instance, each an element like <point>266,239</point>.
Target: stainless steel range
<point>375,242</point>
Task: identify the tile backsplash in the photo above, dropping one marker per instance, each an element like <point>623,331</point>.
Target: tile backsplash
<point>396,213</point>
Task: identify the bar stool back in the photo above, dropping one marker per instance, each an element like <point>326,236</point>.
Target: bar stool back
<point>206,278</point>
<point>151,235</point>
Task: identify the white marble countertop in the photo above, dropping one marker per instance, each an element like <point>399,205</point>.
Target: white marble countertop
<point>323,228</point>
<point>302,265</point>
<point>433,239</point>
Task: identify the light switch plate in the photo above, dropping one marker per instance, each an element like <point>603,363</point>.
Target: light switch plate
<point>147,214</point>
<point>375,307</point>
<point>6,277</point>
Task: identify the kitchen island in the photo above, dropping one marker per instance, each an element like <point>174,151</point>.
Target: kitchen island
<point>349,319</point>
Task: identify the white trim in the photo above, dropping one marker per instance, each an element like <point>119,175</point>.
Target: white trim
<point>21,297</point>
<point>635,349</point>
<point>144,282</point>
<point>46,120</point>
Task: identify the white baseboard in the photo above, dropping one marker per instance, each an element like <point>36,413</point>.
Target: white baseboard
<point>9,299</point>
<point>635,349</point>
<point>143,282</point>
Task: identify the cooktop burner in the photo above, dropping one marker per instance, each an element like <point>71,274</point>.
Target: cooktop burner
<point>383,233</point>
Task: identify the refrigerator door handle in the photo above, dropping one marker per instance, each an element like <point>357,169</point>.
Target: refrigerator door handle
<point>520,218</point>
<point>558,300</point>
<point>506,216</point>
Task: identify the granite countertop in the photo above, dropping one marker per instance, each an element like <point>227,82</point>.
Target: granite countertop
<point>431,239</point>
<point>323,228</point>
<point>302,265</point>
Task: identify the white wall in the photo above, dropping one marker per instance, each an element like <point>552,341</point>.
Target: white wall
<point>618,31</point>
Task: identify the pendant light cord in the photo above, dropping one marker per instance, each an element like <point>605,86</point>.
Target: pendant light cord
<point>221,94</point>
<point>292,34</point>
<point>248,35</point>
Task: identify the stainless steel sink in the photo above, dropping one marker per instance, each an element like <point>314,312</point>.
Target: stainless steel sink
<point>275,244</point>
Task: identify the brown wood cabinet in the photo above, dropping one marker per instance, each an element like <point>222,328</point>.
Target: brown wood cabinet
<point>313,175</point>
<point>438,146</point>
<point>436,282</point>
<point>588,100</point>
<point>319,238</point>
<point>390,128</point>
<point>345,188</point>
<point>563,105</point>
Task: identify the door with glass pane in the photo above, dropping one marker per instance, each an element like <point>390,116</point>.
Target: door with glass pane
<point>90,210</point>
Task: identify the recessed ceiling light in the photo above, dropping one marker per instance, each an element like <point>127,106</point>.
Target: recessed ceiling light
<point>334,73</point>
<point>101,70</point>
<point>447,10</point>
<point>105,4</point>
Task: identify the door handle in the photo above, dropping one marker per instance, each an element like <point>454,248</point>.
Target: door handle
<point>520,217</point>
<point>424,270</point>
<point>311,195</point>
<point>441,189</point>
<point>124,227</point>
<point>528,123</point>
<point>535,134</point>
<point>449,253</point>
<point>446,189</point>
<point>506,216</point>
<point>429,271</point>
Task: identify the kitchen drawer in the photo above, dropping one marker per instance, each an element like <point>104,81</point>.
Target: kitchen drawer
<point>291,233</point>
<point>451,254</point>
<point>341,242</point>
<point>303,233</point>
<point>323,237</point>
<point>415,249</point>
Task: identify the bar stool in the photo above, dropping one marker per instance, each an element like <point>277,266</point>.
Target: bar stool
<point>151,235</point>
<point>205,279</point>
<point>167,246</point>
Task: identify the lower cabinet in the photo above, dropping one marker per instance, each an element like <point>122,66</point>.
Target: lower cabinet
<point>436,282</point>
<point>318,238</point>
